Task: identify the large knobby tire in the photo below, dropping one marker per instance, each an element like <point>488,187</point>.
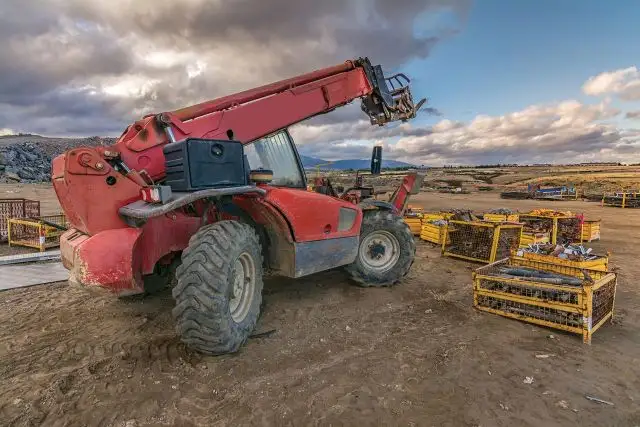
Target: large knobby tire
<point>219,288</point>
<point>386,252</point>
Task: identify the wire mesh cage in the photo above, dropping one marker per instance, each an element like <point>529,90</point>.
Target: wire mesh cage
<point>561,229</point>
<point>480,241</point>
<point>16,208</point>
<point>40,233</point>
<point>568,230</point>
<point>580,303</point>
<point>622,199</point>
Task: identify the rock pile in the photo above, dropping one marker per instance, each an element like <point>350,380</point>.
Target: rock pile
<point>30,161</point>
<point>24,162</point>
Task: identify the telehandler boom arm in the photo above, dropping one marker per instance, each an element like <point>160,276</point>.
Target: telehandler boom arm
<point>252,114</point>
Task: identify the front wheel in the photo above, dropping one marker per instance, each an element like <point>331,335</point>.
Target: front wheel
<point>219,289</point>
<point>386,251</point>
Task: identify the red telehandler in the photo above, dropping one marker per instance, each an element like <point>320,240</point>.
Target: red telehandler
<point>215,195</point>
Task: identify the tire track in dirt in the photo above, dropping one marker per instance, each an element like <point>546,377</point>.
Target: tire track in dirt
<point>340,355</point>
<point>80,349</point>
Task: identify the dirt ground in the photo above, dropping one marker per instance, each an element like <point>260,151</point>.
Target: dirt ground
<point>414,355</point>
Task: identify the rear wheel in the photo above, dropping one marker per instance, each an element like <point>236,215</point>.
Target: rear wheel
<point>219,289</point>
<point>386,252</point>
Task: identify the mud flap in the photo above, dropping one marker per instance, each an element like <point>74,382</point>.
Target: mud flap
<point>105,260</point>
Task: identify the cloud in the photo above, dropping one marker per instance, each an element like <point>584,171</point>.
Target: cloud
<point>89,66</point>
<point>623,83</point>
<point>563,132</point>
<point>632,115</point>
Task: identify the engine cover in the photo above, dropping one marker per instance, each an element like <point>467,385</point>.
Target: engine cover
<point>196,164</point>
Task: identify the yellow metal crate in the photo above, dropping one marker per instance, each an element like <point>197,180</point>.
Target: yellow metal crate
<point>577,309</point>
<point>415,209</point>
<point>501,218</point>
<point>556,264</point>
<point>625,199</point>
<point>557,226</point>
<point>480,241</point>
<point>432,216</point>
<point>591,230</point>
<point>415,224</point>
<point>433,233</point>
<point>527,239</point>
<point>35,233</point>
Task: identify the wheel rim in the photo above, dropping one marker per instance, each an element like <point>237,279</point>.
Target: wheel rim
<point>244,280</point>
<point>379,251</point>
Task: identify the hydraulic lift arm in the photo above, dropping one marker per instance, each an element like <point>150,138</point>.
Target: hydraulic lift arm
<point>255,113</point>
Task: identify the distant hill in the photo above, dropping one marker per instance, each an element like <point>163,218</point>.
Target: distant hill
<point>311,162</point>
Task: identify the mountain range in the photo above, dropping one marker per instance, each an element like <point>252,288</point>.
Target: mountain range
<point>312,162</point>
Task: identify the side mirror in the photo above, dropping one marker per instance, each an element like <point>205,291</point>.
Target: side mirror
<point>376,160</point>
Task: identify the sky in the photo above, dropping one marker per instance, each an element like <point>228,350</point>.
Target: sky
<point>506,81</point>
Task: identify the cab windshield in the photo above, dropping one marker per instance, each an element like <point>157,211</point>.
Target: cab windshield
<point>276,153</point>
